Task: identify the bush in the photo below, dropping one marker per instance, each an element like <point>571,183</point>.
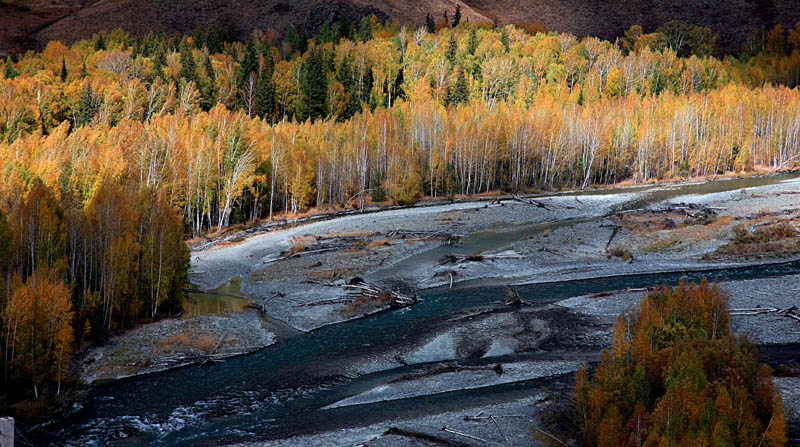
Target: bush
<point>620,252</point>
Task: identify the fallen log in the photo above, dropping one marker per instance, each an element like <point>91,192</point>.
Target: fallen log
<point>420,436</point>
<point>613,235</point>
<point>480,418</point>
<point>530,202</point>
<point>467,435</point>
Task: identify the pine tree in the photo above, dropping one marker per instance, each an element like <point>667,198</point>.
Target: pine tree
<point>313,101</point>
<point>188,66</point>
<point>446,19</point>
<point>297,40</point>
<point>159,60</point>
<point>248,64</point>
<point>88,106</point>
<point>100,42</point>
<point>457,16</point>
<point>265,90</point>
<point>63,70</point>
<point>472,41</point>
<point>325,33</point>
<point>84,71</point>
<point>10,72</point>
<point>430,25</point>
<point>210,88</point>
<point>365,29</point>
<point>504,39</point>
<point>344,27</point>
<point>452,48</point>
<point>344,75</point>
<point>458,92</point>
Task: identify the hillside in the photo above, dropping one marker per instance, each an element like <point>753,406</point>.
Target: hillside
<point>70,20</point>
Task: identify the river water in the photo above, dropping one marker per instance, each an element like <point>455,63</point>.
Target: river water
<point>280,390</point>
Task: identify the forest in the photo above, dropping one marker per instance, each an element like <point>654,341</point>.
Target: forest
<point>115,150</point>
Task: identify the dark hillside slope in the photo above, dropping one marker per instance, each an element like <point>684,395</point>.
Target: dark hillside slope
<point>731,20</point>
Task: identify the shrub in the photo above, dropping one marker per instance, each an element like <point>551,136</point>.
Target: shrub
<point>620,252</point>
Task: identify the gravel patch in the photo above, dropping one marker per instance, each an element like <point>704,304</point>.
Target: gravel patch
<point>173,343</point>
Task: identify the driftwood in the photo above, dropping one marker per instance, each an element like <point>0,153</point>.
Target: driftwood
<point>324,244</point>
<point>695,214</point>
<point>613,234</point>
<point>467,435</point>
<point>420,436</point>
<point>358,288</point>
<point>514,299</point>
<point>789,312</point>
<point>210,355</point>
<point>530,202</point>
<point>462,259</point>
<point>550,435</point>
<point>480,417</point>
<point>450,273</point>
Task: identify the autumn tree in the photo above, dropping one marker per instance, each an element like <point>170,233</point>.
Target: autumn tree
<point>677,375</point>
<point>38,335</point>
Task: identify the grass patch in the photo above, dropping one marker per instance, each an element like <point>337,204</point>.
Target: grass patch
<point>662,245</point>
<point>768,241</point>
<point>364,305</point>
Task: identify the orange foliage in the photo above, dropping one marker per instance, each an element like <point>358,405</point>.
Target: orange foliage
<point>678,376</point>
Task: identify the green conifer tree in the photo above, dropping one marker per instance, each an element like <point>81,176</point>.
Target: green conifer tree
<point>457,16</point>
<point>63,70</point>
<point>325,33</point>
<point>313,101</point>
<point>365,29</point>
<point>10,72</point>
<point>472,41</point>
<point>188,66</point>
<point>430,25</point>
<point>265,90</point>
<point>88,106</point>
<point>210,88</point>
<point>504,38</point>
<point>159,60</point>
<point>99,42</point>
<point>344,27</point>
<point>248,64</point>
<point>452,48</point>
<point>458,91</point>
